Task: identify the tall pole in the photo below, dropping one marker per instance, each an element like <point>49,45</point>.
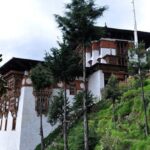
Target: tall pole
<point>65,119</point>
<point>139,71</point>
<point>41,124</point>
<point>85,119</point>
<point>135,27</point>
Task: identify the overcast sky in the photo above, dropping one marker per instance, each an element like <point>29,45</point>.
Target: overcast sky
<point>28,28</point>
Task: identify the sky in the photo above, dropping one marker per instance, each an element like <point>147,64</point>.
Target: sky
<point>28,28</point>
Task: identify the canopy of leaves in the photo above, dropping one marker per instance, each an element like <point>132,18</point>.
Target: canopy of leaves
<point>56,111</point>
<point>41,77</point>
<point>78,100</point>
<point>64,63</point>
<point>111,91</point>
<point>138,58</point>
<point>128,134</point>
<point>78,22</point>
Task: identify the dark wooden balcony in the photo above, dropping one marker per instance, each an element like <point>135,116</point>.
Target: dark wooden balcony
<point>115,60</point>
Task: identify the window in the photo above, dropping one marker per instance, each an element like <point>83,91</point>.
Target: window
<point>122,48</point>
<point>106,77</point>
<point>91,53</point>
<point>5,124</point>
<point>99,51</point>
<point>14,124</point>
<point>72,88</point>
<point>1,123</point>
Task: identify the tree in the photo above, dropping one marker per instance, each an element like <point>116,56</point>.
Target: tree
<point>41,78</point>
<point>78,101</point>
<point>111,91</point>
<point>139,65</point>
<point>64,65</point>
<point>78,29</point>
<point>56,111</point>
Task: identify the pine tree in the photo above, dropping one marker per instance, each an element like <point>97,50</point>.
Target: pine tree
<point>111,92</point>
<point>56,111</point>
<point>78,101</point>
<point>78,23</point>
<point>41,78</point>
<point>78,29</point>
<point>64,65</point>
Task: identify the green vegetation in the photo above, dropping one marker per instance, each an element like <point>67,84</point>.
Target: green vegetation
<point>78,28</point>
<point>41,78</point>
<point>139,65</point>
<point>128,134</point>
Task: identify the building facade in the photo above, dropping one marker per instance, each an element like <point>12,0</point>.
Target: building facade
<point>19,119</point>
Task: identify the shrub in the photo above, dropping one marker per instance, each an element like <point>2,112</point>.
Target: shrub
<point>123,87</point>
<point>125,108</point>
<point>130,94</point>
<point>48,140</point>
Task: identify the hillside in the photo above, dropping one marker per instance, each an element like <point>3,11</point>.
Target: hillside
<point>127,133</point>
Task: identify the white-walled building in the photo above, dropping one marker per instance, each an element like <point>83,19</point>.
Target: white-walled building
<point>19,121</point>
<point>19,118</point>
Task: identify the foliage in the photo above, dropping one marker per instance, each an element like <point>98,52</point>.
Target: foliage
<point>49,139</point>
<point>65,67</point>
<point>63,63</point>
<point>77,26</point>
<point>125,109</point>
<point>130,94</point>
<point>139,61</point>
<point>55,113</point>
<point>41,77</point>
<point>78,23</point>
<point>78,100</point>
<point>123,87</point>
<point>111,91</point>
<point>128,133</point>
<point>108,141</point>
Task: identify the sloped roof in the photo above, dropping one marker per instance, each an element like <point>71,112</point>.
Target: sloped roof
<point>123,34</point>
<point>18,64</point>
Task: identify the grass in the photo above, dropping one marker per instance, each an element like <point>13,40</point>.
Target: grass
<point>127,133</point>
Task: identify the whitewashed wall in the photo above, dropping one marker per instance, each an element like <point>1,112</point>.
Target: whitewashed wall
<point>107,51</point>
<point>96,83</point>
<point>70,97</point>
<point>26,136</point>
<point>88,57</point>
<point>30,122</point>
<point>96,55</point>
<point>9,138</point>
